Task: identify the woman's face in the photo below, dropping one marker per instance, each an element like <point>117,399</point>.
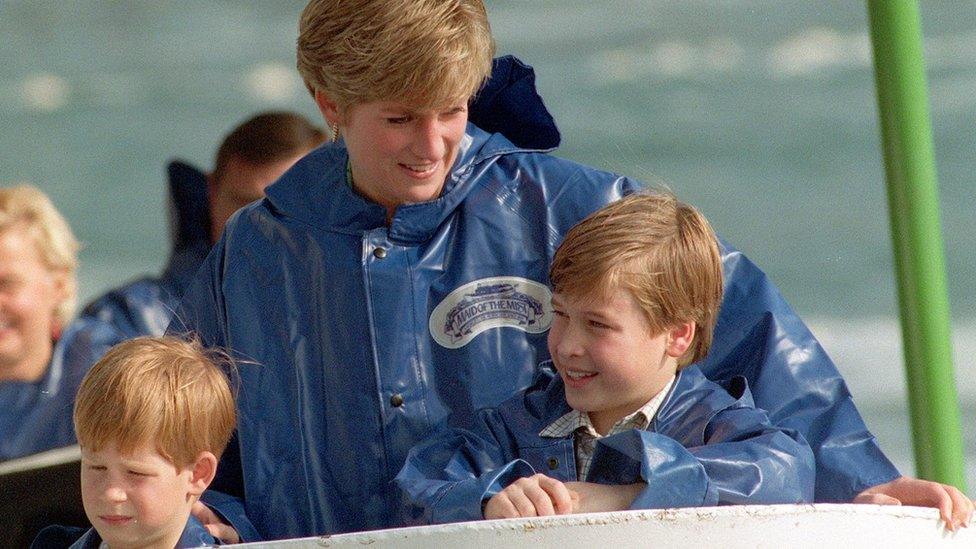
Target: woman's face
<point>400,154</point>
<point>29,296</point>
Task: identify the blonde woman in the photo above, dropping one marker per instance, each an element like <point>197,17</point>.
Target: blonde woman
<point>42,357</point>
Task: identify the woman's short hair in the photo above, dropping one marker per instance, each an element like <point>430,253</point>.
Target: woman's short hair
<point>25,206</point>
<point>429,53</point>
<point>163,391</point>
<point>661,250</point>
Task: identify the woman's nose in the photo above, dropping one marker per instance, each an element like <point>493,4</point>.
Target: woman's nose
<point>429,139</point>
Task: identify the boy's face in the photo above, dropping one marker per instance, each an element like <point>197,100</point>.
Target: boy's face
<point>135,500</point>
<point>607,356</point>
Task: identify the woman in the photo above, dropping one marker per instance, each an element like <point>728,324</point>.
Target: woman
<point>41,361</point>
<point>398,276</point>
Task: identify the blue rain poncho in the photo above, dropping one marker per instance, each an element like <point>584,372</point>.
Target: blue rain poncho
<point>703,447</point>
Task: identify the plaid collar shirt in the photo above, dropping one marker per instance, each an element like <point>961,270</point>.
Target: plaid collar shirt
<point>578,423</point>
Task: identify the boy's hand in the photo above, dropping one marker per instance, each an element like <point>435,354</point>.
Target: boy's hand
<point>595,498</point>
<point>535,496</point>
<point>954,507</point>
<point>217,528</point>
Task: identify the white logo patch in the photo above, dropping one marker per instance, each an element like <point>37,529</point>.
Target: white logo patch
<point>491,303</point>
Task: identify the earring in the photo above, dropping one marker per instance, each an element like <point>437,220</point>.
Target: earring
<point>334,127</point>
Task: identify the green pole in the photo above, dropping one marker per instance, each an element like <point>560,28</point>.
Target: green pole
<point>916,231</point>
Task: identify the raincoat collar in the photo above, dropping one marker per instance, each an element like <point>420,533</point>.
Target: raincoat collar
<point>314,191</point>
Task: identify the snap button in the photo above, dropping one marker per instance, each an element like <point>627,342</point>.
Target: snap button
<point>553,464</point>
<point>396,400</point>
<point>379,253</point>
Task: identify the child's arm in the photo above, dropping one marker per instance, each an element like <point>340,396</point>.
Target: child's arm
<point>450,475</point>
<point>589,497</point>
<point>708,446</point>
<point>743,460</point>
<point>535,496</point>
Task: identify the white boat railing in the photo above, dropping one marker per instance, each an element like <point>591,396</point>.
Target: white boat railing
<point>833,526</point>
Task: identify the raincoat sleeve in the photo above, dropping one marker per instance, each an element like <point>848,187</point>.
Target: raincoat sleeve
<point>451,474</point>
<point>791,377</point>
<point>201,315</point>
<point>739,459</point>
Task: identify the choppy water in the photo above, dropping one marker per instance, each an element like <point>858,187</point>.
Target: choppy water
<point>760,113</point>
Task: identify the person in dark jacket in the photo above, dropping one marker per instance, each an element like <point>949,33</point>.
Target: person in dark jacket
<point>620,418</point>
<point>398,275</point>
<point>252,156</point>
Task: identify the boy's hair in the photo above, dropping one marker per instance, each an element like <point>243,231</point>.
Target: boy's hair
<point>266,138</point>
<point>159,390</point>
<point>659,249</point>
<point>426,52</point>
<point>25,206</point>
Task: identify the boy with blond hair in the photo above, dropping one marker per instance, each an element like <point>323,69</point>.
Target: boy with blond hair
<point>152,417</point>
<point>619,418</point>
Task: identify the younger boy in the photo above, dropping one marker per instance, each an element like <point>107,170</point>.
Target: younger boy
<point>618,418</point>
<point>152,418</point>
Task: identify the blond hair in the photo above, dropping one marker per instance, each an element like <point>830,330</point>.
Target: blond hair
<point>25,206</point>
<point>160,390</point>
<point>660,250</point>
<point>429,53</point>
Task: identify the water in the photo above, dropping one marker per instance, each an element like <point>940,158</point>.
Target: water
<point>761,113</point>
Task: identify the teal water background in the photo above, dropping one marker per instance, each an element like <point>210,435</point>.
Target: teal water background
<point>763,114</point>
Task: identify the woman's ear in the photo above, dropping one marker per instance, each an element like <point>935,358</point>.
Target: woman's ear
<point>202,474</point>
<point>328,108</point>
<point>680,338</point>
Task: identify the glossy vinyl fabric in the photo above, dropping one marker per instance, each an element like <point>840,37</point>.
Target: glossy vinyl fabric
<point>703,447</point>
<point>35,417</point>
<point>330,309</point>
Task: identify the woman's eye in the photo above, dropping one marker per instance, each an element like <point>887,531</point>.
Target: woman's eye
<point>96,467</point>
<point>599,325</point>
<point>398,119</point>
<point>557,312</point>
<point>138,473</point>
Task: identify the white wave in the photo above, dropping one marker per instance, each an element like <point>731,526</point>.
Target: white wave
<point>45,92</point>
<point>819,49</point>
<point>273,82</point>
<point>666,60</point>
<point>868,353</point>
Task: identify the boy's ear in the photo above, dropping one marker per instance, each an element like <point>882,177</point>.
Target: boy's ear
<point>680,338</point>
<point>204,470</point>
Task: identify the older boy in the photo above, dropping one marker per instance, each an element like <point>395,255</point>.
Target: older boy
<point>637,287</point>
<point>152,418</point>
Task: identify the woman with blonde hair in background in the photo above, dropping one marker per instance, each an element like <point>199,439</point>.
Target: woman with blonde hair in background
<point>43,356</point>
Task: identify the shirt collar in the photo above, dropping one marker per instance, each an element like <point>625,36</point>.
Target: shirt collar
<point>575,420</point>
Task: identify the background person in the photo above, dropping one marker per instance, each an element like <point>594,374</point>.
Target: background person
<point>43,356</point>
<point>251,157</point>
